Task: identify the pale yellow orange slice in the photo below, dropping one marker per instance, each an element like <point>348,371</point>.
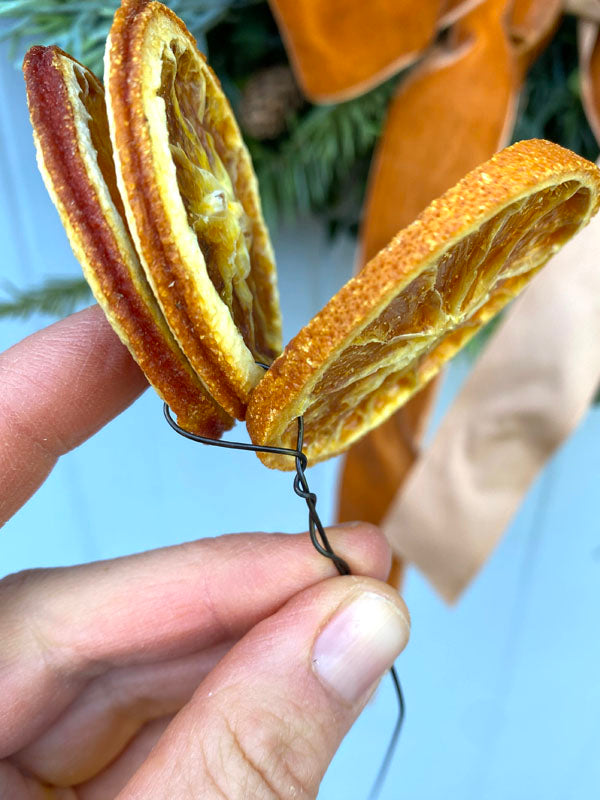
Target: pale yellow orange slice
<point>388,331</point>
<point>191,199</point>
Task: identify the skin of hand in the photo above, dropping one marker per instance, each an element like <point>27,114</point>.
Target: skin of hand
<point>224,668</point>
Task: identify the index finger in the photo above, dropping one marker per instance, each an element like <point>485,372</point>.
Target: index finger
<point>61,628</point>
<point>57,388</point>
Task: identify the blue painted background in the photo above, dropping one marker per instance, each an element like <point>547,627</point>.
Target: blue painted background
<point>503,690</point>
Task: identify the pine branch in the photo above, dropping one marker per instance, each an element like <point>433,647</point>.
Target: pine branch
<point>57,297</point>
<point>322,147</point>
<point>81,28</point>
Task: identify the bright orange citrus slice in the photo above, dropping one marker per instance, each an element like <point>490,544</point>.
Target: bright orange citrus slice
<point>192,201</point>
<point>68,114</point>
<point>415,304</point>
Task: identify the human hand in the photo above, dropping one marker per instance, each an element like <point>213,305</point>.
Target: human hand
<point>227,667</point>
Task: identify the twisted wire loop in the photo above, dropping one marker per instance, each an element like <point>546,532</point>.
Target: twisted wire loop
<point>319,539</point>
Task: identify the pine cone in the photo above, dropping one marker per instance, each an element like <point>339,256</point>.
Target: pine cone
<point>269,98</point>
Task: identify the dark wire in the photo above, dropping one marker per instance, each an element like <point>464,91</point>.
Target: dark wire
<point>318,537</point>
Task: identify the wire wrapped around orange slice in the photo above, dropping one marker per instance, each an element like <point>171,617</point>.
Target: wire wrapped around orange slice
<point>192,201</point>
<point>68,114</point>
<point>415,304</point>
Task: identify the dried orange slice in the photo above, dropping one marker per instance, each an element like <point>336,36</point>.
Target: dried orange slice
<point>192,201</point>
<point>388,331</point>
<point>68,114</point>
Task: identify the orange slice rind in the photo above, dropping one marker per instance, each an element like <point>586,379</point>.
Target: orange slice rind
<point>389,330</point>
<point>191,200</point>
<point>68,114</point>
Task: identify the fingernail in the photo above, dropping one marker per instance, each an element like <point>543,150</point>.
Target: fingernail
<point>359,644</point>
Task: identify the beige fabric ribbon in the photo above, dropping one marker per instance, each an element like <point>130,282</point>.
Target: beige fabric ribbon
<point>588,9</point>
<point>526,394</point>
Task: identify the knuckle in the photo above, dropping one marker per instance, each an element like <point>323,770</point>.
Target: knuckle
<point>18,582</point>
<point>263,755</point>
<point>29,616</point>
<point>17,599</point>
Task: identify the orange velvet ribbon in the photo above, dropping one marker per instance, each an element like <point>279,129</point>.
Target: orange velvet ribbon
<point>453,111</point>
<point>430,140</point>
<point>341,48</point>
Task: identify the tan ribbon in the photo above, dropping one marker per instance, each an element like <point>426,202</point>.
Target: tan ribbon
<point>526,394</point>
<point>588,9</point>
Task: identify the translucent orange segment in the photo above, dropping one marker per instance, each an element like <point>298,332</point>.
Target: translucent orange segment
<point>214,212</point>
<point>440,310</point>
<point>422,298</point>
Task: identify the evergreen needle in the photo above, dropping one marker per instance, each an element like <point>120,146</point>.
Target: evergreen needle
<point>57,297</point>
<point>321,149</point>
<point>81,28</point>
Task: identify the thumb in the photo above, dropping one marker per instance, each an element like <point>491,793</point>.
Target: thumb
<point>268,719</point>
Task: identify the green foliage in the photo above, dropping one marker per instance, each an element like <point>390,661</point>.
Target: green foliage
<point>57,297</point>
<point>303,171</point>
<point>80,27</point>
<point>246,41</point>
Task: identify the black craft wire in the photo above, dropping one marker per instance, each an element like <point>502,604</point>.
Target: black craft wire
<point>301,488</point>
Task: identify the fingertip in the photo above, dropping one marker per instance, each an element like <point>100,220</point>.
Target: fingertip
<point>360,640</point>
<point>58,387</point>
